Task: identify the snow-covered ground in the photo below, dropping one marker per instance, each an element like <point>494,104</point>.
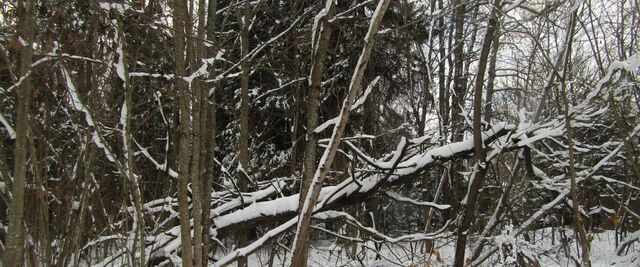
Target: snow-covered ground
<point>547,247</point>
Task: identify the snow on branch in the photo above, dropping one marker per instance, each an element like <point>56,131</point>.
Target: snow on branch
<point>7,126</point>
<point>245,251</point>
<point>316,23</point>
<point>116,6</point>
<point>355,105</point>
<point>162,167</point>
<point>276,89</point>
<point>325,215</point>
<point>332,195</point>
<point>272,189</point>
<point>332,215</point>
<point>75,102</point>
<point>168,242</point>
<point>397,197</point>
<point>630,64</point>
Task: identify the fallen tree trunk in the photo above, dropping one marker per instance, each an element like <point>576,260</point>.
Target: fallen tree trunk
<point>346,193</point>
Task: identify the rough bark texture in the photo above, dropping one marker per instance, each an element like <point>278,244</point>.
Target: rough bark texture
<point>15,235</point>
<point>443,99</point>
<point>459,78</point>
<point>244,118</point>
<point>457,103</point>
<point>184,153</point>
<point>209,131</point>
<point>443,102</point>
<point>198,150</point>
<point>301,241</point>
<point>320,49</point>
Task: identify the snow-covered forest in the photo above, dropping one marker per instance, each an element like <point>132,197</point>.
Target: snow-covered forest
<point>319,133</point>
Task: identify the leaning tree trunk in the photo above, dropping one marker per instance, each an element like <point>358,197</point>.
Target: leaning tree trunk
<point>301,240</point>
<point>15,235</point>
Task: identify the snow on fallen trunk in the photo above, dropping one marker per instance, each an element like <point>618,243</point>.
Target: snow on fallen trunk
<point>399,198</point>
<point>412,166</point>
<point>329,197</point>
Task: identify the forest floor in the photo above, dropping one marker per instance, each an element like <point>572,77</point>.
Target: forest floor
<point>545,245</point>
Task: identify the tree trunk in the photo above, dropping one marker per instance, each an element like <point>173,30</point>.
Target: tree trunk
<point>491,72</point>
<point>294,112</point>
<point>457,102</point>
<point>443,100</point>
<point>209,132</point>
<point>578,224</point>
<point>575,204</point>
<point>15,234</point>
<point>79,224</point>
<point>195,52</point>
<point>469,207</point>
<point>184,153</point>
<point>321,40</point>
<point>41,222</point>
<point>301,240</point>
<point>243,157</point>
<point>127,139</point>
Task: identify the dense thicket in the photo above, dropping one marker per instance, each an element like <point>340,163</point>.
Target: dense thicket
<point>184,132</point>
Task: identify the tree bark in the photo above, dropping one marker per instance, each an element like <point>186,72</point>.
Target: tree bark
<point>578,224</point>
<point>129,165</point>
<point>443,99</point>
<point>195,52</point>
<point>459,78</point>
<point>301,240</point>
<point>478,176</point>
<point>15,235</point>
<point>491,72</point>
<point>184,153</point>
<point>243,157</point>
<point>320,47</point>
<point>294,110</point>
<point>457,102</point>
<point>575,204</point>
<point>209,132</point>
